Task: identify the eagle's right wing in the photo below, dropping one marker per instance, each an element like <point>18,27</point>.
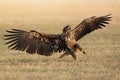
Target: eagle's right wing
<point>34,42</point>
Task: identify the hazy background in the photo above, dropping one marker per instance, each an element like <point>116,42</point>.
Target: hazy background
<point>55,1</point>
<point>39,12</point>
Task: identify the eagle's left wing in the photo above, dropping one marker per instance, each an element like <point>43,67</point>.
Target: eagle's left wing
<point>34,42</point>
<point>90,24</point>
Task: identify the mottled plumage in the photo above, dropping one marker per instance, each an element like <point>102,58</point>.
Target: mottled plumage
<point>46,44</point>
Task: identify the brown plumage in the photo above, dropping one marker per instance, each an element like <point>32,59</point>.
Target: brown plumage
<point>46,44</point>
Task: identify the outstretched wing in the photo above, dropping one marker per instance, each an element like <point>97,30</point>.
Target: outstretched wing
<point>34,42</point>
<point>90,24</point>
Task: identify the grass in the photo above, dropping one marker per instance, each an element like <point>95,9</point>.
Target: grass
<point>103,46</point>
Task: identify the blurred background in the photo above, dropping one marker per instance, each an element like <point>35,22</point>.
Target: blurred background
<point>59,11</point>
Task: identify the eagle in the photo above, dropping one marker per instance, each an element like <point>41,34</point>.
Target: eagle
<point>34,42</point>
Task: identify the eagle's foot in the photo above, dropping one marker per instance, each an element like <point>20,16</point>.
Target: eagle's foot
<point>84,52</point>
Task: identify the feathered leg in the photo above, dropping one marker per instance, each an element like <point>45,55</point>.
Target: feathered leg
<point>78,46</point>
<point>69,51</point>
<point>73,53</point>
<point>65,54</point>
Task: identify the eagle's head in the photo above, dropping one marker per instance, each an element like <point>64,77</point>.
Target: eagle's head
<point>66,28</point>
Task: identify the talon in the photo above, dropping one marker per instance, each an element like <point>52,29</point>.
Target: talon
<point>84,52</point>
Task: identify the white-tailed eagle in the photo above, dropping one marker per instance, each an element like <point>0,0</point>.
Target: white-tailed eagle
<point>47,44</point>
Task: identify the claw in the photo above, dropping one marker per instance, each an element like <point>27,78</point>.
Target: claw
<point>84,52</point>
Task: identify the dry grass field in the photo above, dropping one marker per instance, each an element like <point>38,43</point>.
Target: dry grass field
<point>103,46</point>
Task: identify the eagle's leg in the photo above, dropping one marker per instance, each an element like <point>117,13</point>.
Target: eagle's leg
<point>78,46</point>
<point>73,54</point>
<point>65,54</point>
<point>69,51</point>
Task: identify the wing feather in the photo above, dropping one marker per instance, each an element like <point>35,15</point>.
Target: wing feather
<point>90,24</point>
<point>34,42</point>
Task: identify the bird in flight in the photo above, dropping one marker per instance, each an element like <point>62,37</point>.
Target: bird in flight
<point>46,44</point>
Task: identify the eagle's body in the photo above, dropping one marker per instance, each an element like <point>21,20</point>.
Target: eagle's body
<point>46,44</point>
<point>69,39</point>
